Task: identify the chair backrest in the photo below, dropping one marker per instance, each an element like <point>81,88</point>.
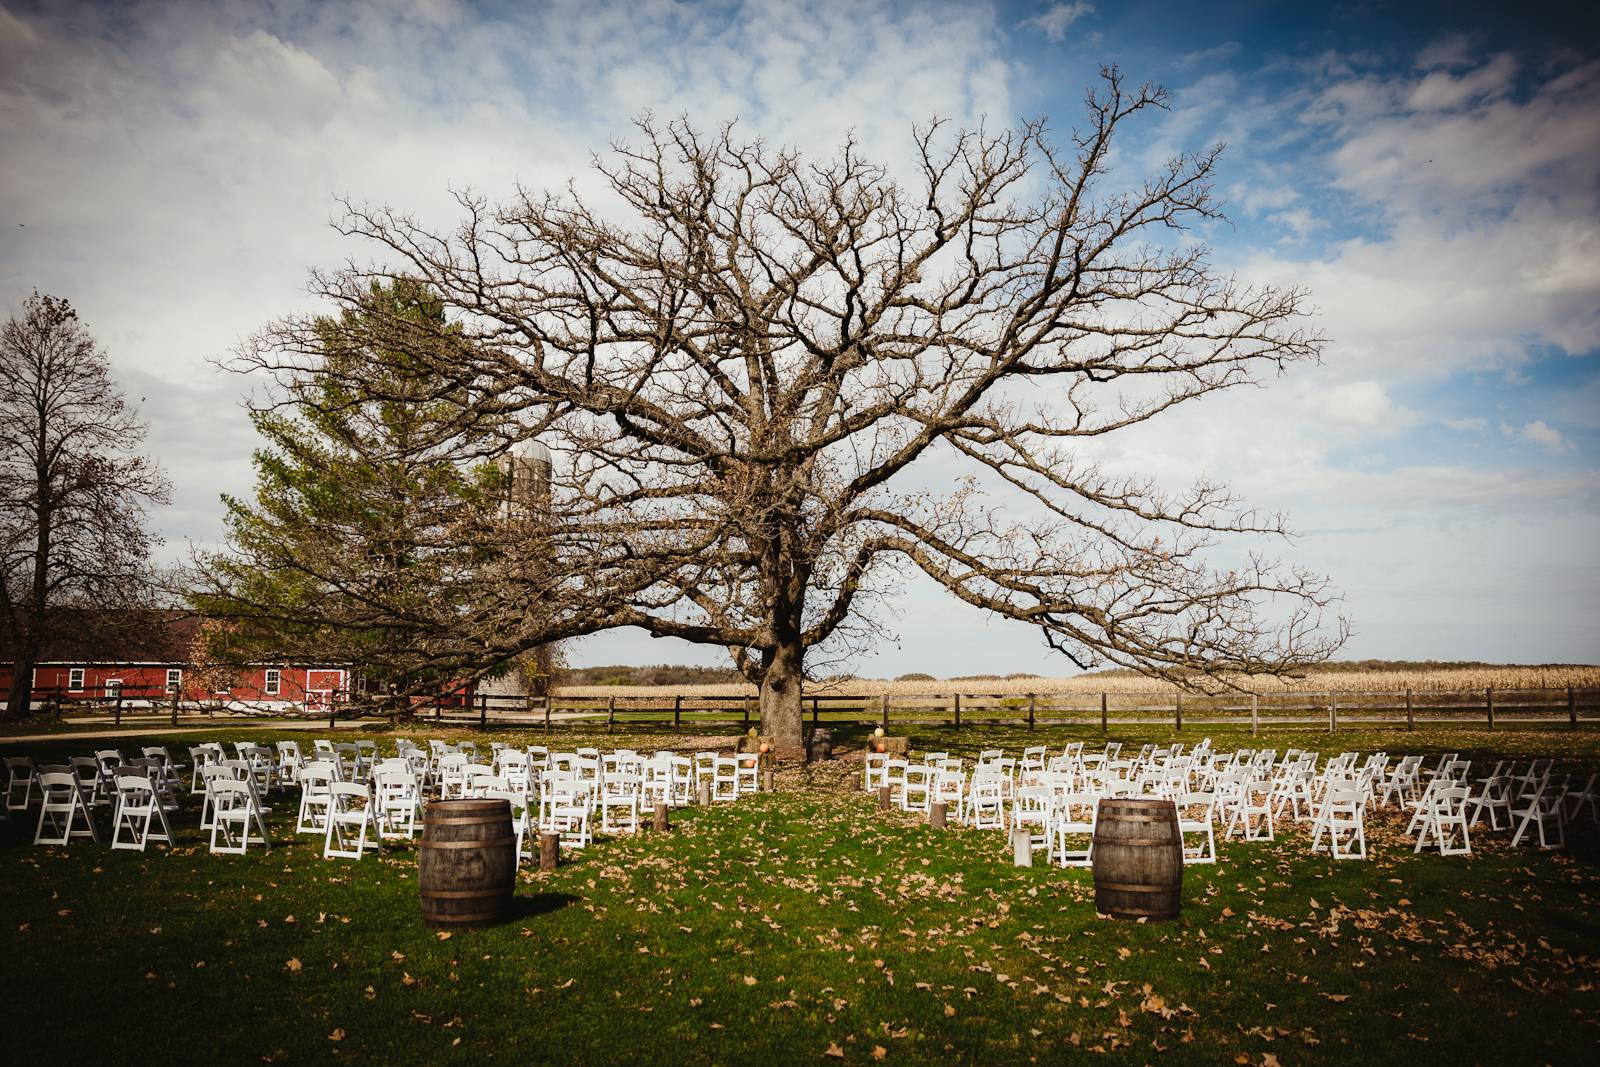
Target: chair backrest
<point>226,791</point>
<point>135,790</point>
<point>59,787</point>
<point>344,793</point>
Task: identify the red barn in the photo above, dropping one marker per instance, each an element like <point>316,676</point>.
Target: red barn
<point>141,658</point>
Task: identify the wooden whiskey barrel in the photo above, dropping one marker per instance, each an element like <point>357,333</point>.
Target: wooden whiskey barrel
<point>467,863</point>
<point>1138,859</point>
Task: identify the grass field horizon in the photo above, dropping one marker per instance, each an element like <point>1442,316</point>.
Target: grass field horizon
<point>1508,677</point>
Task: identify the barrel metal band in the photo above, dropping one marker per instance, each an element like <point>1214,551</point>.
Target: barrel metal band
<point>489,842</point>
<point>1134,840</point>
<point>1125,887</point>
<point>461,894</point>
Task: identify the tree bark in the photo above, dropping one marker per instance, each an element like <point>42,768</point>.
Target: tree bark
<point>20,699</point>
<point>782,713</point>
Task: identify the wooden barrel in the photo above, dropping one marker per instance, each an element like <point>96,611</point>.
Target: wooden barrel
<point>467,863</point>
<point>1138,859</point>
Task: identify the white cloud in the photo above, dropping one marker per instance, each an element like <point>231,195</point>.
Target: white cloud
<point>1469,425</point>
<point>1056,19</point>
<point>174,166</point>
<point>1546,437</point>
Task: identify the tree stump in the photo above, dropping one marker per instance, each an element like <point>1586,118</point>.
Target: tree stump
<point>936,815</point>
<point>659,822</point>
<point>703,794</point>
<point>549,851</point>
<point>883,798</point>
<point>1022,847</point>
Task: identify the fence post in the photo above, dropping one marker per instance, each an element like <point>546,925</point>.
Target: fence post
<point>957,709</point>
<point>118,709</point>
<point>611,712</point>
<point>677,711</point>
<point>174,689</point>
<point>1030,711</point>
<point>1488,704</point>
<point>815,712</point>
<point>1177,714</point>
<point>1572,707</point>
<point>333,710</point>
<point>1255,714</point>
<point>1102,713</point>
<point>1333,710</point>
<point>548,699</point>
<point>883,703</point>
<point>483,711</point>
<point>1411,715</point>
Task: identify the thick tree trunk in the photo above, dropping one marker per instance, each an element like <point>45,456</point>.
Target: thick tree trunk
<point>20,699</point>
<point>781,716</point>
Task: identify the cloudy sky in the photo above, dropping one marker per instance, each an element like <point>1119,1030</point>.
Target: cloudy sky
<point>1430,172</point>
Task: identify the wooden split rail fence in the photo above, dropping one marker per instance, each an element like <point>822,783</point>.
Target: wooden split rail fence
<point>1330,710</point>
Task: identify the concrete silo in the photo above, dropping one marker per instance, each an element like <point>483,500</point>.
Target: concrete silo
<point>527,496</point>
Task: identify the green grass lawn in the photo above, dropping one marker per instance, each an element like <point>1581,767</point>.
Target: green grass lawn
<point>803,926</point>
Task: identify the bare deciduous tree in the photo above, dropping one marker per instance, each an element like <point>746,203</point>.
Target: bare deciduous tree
<point>748,363</point>
<point>73,491</point>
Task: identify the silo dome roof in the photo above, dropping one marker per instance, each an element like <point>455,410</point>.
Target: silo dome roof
<point>533,450</point>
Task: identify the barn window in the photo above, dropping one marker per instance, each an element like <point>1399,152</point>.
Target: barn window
<point>75,678</point>
<point>273,684</point>
<point>174,677</point>
<point>113,688</point>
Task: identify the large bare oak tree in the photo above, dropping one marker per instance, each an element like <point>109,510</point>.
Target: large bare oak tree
<point>759,373</point>
<point>74,547</point>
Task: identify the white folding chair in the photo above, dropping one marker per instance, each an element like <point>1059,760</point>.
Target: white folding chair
<point>872,770</point>
<point>1577,798</point>
<point>747,773</point>
<point>565,808</point>
<point>1072,830</point>
<point>986,809</point>
<point>61,808</point>
<point>1252,812</point>
<point>1541,809</point>
<point>138,808</point>
<point>1197,815</point>
<point>20,781</point>
<point>399,803</point>
<point>352,815</point>
<point>519,819</point>
<point>725,778</point>
<point>1031,810</point>
<point>1343,819</point>
<point>1445,817</point>
<point>619,792</point>
<point>316,778</point>
<point>236,815</point>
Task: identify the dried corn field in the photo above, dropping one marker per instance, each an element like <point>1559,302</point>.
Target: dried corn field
<point>1436,681</point>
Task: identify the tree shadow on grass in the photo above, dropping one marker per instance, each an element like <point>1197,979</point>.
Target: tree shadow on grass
<point>531,905</point>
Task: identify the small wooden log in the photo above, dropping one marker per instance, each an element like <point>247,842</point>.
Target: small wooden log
<point>549,851</point>
<point>883,798</point>
<point>659,822</point>
<point>704,793</point>
<point>767,783</point>
<point>1022,846</point>
<point>936,815</point>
